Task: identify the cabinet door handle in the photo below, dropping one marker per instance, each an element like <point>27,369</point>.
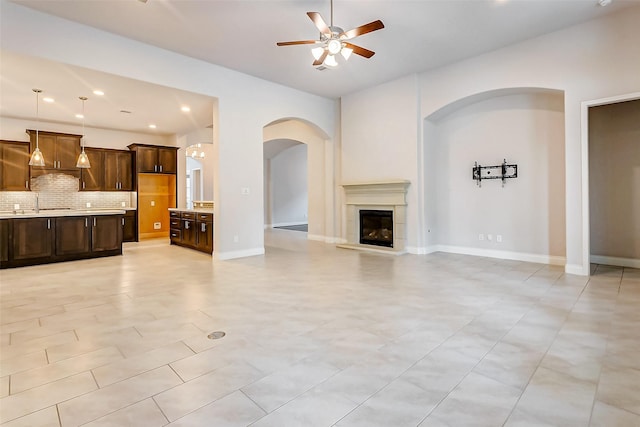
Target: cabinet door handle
<point>26,184</point>
<point>86,223</point>
<point>123,222</point>
<point>83,186</point>
<point>94,221</point>
<point>160,168</point>
<point>48,224</point>
<point>203,227</point>
<point>186,225</point>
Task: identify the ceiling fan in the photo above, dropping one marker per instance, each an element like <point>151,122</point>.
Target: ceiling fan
<point>334,40</point>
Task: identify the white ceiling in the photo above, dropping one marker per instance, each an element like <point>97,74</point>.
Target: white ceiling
<point>241,34</point>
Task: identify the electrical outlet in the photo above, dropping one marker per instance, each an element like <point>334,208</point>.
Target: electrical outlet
<point>153,203</point>
<point>480,236</point>
<point>157,225</point>
<point>123,204</point>
<point>16,206</point>
<point>88,204</point>
<point>499,238</point>
<point>236,239</point>
<point>244,191</point>
<point>489,237</point>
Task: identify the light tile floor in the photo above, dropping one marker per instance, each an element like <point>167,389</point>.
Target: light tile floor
<point>317,336</point>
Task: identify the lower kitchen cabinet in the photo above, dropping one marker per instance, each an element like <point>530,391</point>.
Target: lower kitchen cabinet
<point>38,240</point>
<point>129,229</point>
<point>72,235</point>
<point>31,239</point>
<point>4,241</point>
<point>106,233</point>
<point>192,229</point>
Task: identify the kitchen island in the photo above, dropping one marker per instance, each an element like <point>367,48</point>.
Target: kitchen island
<point>192,228</point>
<point>29,237</point>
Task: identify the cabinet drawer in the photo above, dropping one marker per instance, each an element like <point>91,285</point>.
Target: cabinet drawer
<point>205,217</point>
<point>174,223</point>
<point>174,214</point>
<point>188,215</point>
<point>176,235</point>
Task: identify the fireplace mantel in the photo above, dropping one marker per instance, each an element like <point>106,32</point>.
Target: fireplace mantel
<point>387,195</point>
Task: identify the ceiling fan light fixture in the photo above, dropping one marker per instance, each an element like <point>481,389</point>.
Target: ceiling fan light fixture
<point>346,52</point>
<point>317,52</point>
<point>334,46</point>
<point>330,61</point>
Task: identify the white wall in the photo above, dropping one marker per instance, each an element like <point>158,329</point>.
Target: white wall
<point>528,213</point>
<point>597,59</point>
<point>245,105</point>
<point>289,186</point>
<point>614,182</point>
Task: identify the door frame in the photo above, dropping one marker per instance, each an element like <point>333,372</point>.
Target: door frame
<point>584,132</point>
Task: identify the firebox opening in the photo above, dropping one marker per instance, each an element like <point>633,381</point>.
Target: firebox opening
<point>376,228</point>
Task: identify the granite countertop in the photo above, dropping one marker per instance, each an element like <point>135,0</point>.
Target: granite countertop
<point>203,210</point>
<point>30,213</point>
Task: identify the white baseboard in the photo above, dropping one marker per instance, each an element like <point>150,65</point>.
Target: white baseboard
<point>223,256</point>
<point>492,253</point>
<point>610,260</point>
<point>287,224</point>
<point>421,250</point>
<point>576,269</point>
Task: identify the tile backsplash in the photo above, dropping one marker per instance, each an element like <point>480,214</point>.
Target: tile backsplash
<point>59,191</point>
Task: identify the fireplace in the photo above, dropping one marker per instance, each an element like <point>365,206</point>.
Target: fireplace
<point>376,227</point>
<point>376,216</point>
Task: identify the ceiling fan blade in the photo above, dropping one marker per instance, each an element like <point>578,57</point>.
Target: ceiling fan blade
<point>360,50</point>
<point>319,23</point>
<point>362,29</point>
<point>297,42</point>
<point>320,60</point>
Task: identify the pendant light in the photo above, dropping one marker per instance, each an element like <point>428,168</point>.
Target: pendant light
<point>37,159</point>
<point>83,159</point>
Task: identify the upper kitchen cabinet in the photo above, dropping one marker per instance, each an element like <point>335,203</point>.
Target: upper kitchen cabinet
<point>92,179</point>
<point>155,159</point>
<point>118,170</point>
<point>14,166</point>
<point>60,151</point>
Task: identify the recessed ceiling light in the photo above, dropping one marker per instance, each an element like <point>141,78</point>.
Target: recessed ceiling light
<point>79,116</point>
<point>98,92</point>
<point>604,3</point>
<point>186,109</point>
<point>49,100</point>
<point>152,126</point>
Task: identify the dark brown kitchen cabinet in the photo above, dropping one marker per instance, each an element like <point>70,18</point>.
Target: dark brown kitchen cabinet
<point>155,159</point>
<point>129,229</point>
<point>204,224</point>
<point>92,179</point>
<point>192,229</point>
<point>106,233</point>
<point>118,170</point>
<point>189,230</point>
<point>36,240</point>
<point>60,151</point>
<point>4,241</point>
<point>72,235</point>
<point>32,239</point>
<point>14,166</point>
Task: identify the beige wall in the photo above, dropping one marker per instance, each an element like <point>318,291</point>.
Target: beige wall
<point>614,180</point>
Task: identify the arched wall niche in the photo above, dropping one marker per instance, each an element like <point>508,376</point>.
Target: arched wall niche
<point>525,219</point>
<point>285,133</point>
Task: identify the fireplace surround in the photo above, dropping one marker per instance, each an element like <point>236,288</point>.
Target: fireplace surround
<point>388,196</point>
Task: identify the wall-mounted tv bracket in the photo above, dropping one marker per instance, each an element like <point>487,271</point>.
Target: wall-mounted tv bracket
<point>502,172</point>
